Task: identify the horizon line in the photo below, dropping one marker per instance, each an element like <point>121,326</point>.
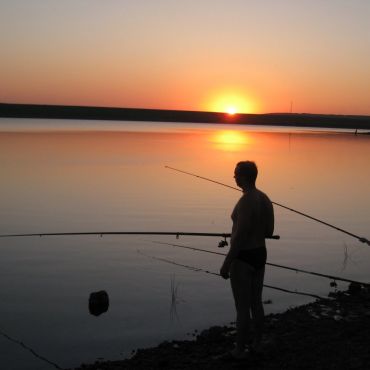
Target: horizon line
<point>178,110</point>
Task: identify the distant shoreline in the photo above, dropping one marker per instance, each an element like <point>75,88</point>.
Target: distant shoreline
<point>160,115</point>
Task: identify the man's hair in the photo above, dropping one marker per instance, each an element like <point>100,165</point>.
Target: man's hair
<point>247,169</point>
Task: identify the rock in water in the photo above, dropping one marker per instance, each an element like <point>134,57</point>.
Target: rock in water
<point>98,302</point>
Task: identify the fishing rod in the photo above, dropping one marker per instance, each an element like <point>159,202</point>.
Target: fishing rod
<point>101,233</point>
<point>331,277</point>
<point>197,269</point>
<point>361,239</point>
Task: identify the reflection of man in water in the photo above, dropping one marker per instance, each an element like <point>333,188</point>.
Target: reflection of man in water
<point>253,221</point>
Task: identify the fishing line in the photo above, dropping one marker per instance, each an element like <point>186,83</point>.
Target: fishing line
<point>361,239</point>
<point>34,353</point>
<point>331,277</point>
<point>198,269</point>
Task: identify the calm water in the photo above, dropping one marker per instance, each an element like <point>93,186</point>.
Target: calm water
<point>59,176</point>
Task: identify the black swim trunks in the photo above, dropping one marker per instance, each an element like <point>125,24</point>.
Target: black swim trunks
<point>255,257</point>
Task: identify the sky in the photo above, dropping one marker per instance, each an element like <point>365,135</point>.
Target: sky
<point>247,56</point>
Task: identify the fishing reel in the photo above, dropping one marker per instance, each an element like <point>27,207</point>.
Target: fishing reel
<point>223,243</point>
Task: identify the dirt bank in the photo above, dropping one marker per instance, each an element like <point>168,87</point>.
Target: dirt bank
<point>326,334</point>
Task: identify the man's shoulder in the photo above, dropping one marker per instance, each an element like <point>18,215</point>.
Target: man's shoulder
<point>264,196</point>
<point>244,201</point>
<point>253,196</point>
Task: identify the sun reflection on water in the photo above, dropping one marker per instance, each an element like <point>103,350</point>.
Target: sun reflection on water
<point>230,140</point>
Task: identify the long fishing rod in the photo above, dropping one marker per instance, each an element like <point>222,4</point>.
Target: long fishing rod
<point>177,234</point>
<point>197,269</point>
<point>361,239</point>
<point>331,277</point>
<point>101,233</point>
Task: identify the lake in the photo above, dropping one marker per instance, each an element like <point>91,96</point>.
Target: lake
<point>76,176</point>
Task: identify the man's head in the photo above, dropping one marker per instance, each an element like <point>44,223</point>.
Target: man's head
<point>246,173</point>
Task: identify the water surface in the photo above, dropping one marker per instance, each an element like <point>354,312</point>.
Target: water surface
<point>71,176</point>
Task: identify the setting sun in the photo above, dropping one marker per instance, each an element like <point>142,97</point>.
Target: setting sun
<point>231,101</point>
<point>231,110</point>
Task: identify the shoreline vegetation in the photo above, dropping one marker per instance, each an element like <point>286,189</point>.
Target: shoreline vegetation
<point>160,115</point>
<point>331,333</point>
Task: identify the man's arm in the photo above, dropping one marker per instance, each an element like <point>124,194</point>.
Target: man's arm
<point>270,219</point>
<point>241,229</point>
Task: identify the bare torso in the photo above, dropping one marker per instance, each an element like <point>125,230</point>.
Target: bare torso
<point>253,220</point>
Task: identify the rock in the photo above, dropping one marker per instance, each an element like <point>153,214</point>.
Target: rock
<point>98,302</point>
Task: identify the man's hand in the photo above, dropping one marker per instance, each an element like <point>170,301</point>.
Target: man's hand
<point>224,271</point>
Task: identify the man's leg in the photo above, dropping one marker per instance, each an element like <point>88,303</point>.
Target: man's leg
<point>258,314</point>
<point>241,280</point>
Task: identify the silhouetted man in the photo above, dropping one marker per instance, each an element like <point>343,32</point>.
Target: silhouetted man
<point>253,221</point>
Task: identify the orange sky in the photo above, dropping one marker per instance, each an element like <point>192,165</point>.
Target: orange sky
<point>250,56</point>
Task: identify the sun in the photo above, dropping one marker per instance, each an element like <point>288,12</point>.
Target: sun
<point>230,101</point>
<point>231,111</point>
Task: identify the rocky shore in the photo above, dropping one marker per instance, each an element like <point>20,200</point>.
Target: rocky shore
<point>327,334</point>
